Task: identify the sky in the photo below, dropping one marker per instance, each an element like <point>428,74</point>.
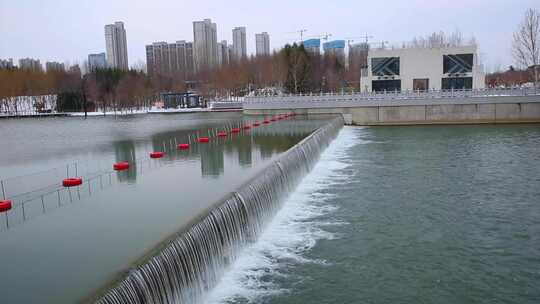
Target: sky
<point>68,30</point>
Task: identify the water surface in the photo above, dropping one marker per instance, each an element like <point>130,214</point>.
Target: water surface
<point>61,244</point>
<point>423,214</point>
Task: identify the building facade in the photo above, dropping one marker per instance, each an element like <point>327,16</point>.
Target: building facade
<point>420,69</point>
<point>312,46</point>
<point>6,63</point>
<point>239,42</point>
<point>335,48</point>
<point>170,59</point>
<point>30,64</point>
<point>262,44</point>
<point>358,54</point>
<point>96,61</point>
<point>116,44</point>
<point>55,66</point>
<point>223,52</point>
<point>204,44</point>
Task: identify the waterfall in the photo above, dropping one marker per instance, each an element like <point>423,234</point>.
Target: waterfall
<point>193,262</point>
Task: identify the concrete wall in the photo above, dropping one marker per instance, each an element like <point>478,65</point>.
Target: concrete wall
<point>473,110</point>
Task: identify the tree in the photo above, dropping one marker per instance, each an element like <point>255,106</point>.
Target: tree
<point>526,44</point>
<point>298,68</point>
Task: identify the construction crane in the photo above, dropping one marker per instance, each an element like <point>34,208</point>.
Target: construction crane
<point>382,44</point>
<point>302,31</point>
<point>352,39</point>
<point>324,36</point>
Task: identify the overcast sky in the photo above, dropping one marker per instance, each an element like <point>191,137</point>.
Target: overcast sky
<point>68,30</point>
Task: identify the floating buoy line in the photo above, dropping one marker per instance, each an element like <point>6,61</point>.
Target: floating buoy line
<point>6,204</point>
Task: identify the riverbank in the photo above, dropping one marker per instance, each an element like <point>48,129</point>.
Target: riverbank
<point>124,113</point>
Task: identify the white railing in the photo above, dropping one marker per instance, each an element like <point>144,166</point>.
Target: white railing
<point>398,95</point>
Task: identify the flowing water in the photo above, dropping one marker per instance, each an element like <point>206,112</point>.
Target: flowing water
<point>424,214</point>
<point>195,261</point>
<point>61,245</point>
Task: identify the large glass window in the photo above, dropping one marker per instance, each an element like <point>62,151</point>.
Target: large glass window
<point>385,66</point>
<point>457,83</point>
<point>386,85</point>
<point>460,63</point>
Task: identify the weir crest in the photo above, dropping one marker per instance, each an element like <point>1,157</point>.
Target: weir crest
<point>193,262</point>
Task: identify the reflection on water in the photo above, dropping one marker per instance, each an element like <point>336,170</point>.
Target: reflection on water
<point>119,215</point>
<point>44,193</point>
<point>125,151</point>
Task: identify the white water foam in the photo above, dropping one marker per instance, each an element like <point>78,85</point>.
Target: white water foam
<point>295,229</point>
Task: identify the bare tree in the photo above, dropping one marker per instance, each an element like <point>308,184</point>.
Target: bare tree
<point>526,45</point>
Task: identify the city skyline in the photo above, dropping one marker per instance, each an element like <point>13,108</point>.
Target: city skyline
<point>73,44</point>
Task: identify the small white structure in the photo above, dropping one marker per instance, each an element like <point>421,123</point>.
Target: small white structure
<point>422,69</point>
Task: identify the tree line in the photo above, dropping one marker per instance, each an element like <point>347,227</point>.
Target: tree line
<point>291,70</point>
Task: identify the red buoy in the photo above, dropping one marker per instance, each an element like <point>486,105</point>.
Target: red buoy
<point>121,166</point>
<point>203,139</point>
<point>157,154</point>
<point>183,146</point>
<point>247,127</point>
<point>272,119</point>
<point>72,182</point>
<point>222,134</point>
<point>266,122</point>
<point>235,130</point>
<point>5,205</point>
<point>256,124</point>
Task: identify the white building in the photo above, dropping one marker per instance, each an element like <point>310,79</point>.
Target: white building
<point>204,44</point>
<point>96,61</point>
<point>262,44</point>
<point>422,69</point>
<point>239,42</point>
<point>116,43</point>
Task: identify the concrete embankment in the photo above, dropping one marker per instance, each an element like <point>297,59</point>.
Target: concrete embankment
<point>464,110</point>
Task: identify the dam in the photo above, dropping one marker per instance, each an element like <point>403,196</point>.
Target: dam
<point>410,108</point>
<point>163,231</point>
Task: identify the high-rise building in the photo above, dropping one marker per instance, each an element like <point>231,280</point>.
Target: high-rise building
<point>116,43</point>
<point>157,59</point>
<point>223,52</point>
<point>30,64</point>
<point>75,70</point>
<point>239,42</point>
<point>230,53</point>
<point>6,64</point>
<point>170,59</point>
<point>312,46</point>
<point>358,54</point>
<point>335,48</point>
<point>96,61</point>
<point>55,66</point>
<point>204,44</point>
<point>262,43</point>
